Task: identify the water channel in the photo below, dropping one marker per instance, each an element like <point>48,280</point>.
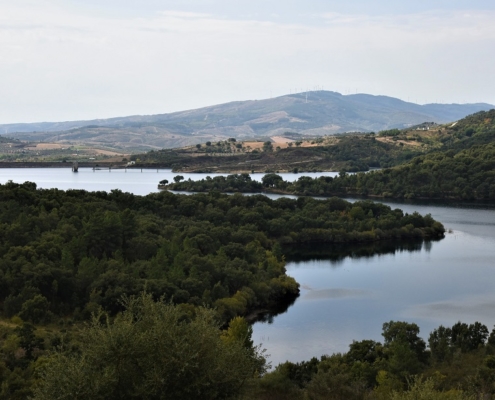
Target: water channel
<point>349,298</point>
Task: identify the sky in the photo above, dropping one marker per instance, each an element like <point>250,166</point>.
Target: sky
<point>64,60</point>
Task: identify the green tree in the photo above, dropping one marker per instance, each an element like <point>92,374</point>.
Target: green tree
<point>267,146</point>
<point>271,180</point>
<point>424,389</point>
<point>152,350</point>
<point>35,309</point>
<point>405,350</point>
<point>28,339</point>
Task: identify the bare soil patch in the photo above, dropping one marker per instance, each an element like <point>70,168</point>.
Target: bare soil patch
<point>253,145</point>
<point>49,146</point>
<point>107,152</point>
<point>405,142</point>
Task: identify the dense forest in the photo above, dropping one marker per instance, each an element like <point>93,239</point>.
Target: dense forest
<point>67,255</point>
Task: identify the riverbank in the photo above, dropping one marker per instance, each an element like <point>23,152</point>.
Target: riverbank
<point>96,165</point>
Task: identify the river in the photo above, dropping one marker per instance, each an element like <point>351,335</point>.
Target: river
<point>137,181</point>
<point>349,299</point>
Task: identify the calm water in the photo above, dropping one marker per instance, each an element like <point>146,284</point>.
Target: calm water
<point>442,283</point>
<point>141,182</point>
<point>439,283</point>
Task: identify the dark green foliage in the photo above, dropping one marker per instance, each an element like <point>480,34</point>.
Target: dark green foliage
<point>405,350</point>
<point>329,221</point>
<point>67,253</point>
<point>390,132</point>
<point>468,174</point>
<point>462,167</point>
<point>363,152</point>
<point>400,368</point>
<point>357,152</point>
<point>267,146</point>
<point>34,310</point>
<point>28,340</point>
<point>152,351</point>
<point>70,252</point>
<point>444,342</point>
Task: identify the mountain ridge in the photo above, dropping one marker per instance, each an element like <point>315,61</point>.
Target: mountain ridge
<point>309,114</point>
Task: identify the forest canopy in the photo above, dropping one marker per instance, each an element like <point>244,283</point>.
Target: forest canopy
<point>68,253</point>
<point>203,261</point>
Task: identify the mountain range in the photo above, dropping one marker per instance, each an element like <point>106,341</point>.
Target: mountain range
<point>309,114</point>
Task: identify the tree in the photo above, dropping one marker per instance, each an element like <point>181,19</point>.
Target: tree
<point>28,339</point>
<point>271,180</point>
<point>420,388</point>
<point>440,343</point>
<point>443,341</point>
<point>178,178</point>
<point>406,351</point>
<point>35,309</point>
<point>151,350</point>
<point>239,330</point>
<point>267,146</point>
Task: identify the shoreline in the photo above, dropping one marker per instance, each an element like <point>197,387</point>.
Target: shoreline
<point>83,164</point>
<point>123,165</point>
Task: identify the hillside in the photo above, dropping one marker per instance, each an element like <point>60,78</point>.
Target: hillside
<point>349,152</point>
<point>458,163</point>
<point>356,152</point>
<point>312,114</point>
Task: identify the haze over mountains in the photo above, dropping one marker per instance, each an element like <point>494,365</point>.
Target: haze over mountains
<point>310,114</point>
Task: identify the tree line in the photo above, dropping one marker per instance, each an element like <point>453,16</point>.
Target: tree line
<point>455,363</point>
<point>153,350</point>
<point>157,350</point>
<point>66,256</point>
<point>468,174</point>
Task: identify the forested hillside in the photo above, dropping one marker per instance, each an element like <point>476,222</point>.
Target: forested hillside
<point>463,168</point>
<point>66,255</point>
<point>357,152</point>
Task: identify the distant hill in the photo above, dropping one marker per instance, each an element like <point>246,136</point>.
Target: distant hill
<point>457,163</point>
<point>315,114</point>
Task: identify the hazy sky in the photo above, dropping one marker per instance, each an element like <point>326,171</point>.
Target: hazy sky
<point>85,59</point>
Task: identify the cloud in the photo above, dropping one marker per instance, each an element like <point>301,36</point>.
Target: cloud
<point>183,14</point>
<point>62,62</point>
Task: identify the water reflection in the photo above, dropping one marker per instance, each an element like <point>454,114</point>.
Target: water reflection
<point>348,292</point>
<point>269,315</point>
<point>335,254</point>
